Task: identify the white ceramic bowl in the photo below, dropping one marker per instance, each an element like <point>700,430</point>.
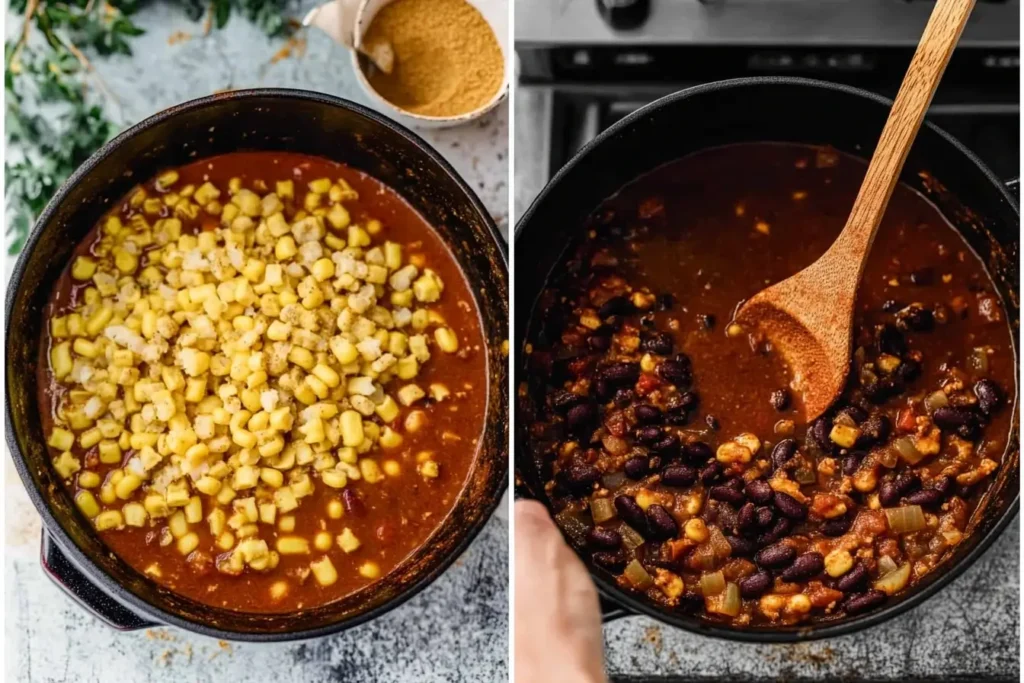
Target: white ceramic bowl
<point>496,14</point>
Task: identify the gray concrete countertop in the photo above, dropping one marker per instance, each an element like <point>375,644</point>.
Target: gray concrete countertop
<point>969,631</point>
<point>457,629</point>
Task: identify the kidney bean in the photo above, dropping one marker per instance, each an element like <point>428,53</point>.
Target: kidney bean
<point>764,516</point>
<point>779,399</point>
<point>735,483</point>
<point>658,343</point>
<point>352,502</point>
<point>614,562</point>
<point>783,452</point>
<point>778,530</point>
<point>698,452</point>
<point>818,434</point>
<point>862,602</point>
<point>990,396</point>
<point>888,494</point>
<point>648,434</point>
<point>788,506</point>
<point>675,372</point>
<point>759,491</point>
<point>581,477</point>
<point>604,389</point>
<point>755,585</point>
<point>907,481</point>
<point>854,413</point>
<point>915,317</point>
<point>924,498</point>
<point>631,513</point>
<point>620,373</point>
<point>600,342</point>
<point>563,400</point>
<point>856,578</point>
<point>890,340</point>
<point>604,538</point>
<point>711,473</point>
<point>804,567</point>
<point>873,431</point>
<point>678,475</point>
<point>636,468</point>
<point>837,527</point>
<point>741,547</point>
<point>746,518</point>
<point>949,417</point>
<point>852,462</point>
<point>617,305</point>
<point>775,556</point>
<point>944,485</point>
<point>580,418</point>
<point>647,414</point>
<point>908,370</point>
<point>726,494</point>
<point>661,523</point>
<point>667,445</point>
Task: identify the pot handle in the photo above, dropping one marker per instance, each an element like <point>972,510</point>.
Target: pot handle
<point>611,610</point>
<point>80,589</point>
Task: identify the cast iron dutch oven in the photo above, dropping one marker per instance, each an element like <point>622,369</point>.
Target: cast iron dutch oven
<point>977,203</point>
<point>278,120</point>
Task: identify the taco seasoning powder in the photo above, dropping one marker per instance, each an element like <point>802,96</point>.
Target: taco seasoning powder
<point>447,58</point>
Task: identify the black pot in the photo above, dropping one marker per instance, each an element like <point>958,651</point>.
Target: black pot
<point>277,120</point>
<point>781,110</point>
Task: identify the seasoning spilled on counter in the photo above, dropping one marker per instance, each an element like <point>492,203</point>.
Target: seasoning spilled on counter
<point>447,58</point>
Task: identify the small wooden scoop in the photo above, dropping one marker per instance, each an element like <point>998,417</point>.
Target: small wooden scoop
<point>809,316</point>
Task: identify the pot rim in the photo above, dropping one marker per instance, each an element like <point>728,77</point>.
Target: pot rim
<point>636,607</point>
<point>52,526</point>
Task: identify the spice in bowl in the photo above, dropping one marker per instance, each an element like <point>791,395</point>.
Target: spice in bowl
<point>447,61</point>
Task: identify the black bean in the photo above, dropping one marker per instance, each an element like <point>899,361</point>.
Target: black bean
<point>856,578</point>
<point>647,414</point>
<point>604,538</point>
<point>698,452</point>
<point>890,340</point>
<point>658,343</point>
<point>783,452</point>
<point>907,482</point>
<point>660,522</point>
<point>881,390</point>
<point>631,512</point>
<point>764,517</point>
<point>648,434</point>
<point>636,468</point>
<point>862,602</point>
<point>353,502</point>
<point>854,413</point>
<point>726,494</point>
<point>679,475</point>
<point>852,461</point>
<point>924,498</point>
<point>804,567</point>
<point>688,401</point>
<point>944,485</point>
<point>837,526</point>
<point>620,373</point>
<point>600,342</point>
<point>778,531</point>
<point>678,417</point>
<point>990,396</point>
<point>949,417</point>
<point>888,495</point>
<point>668,446</point>
<point>675,372</point>
<point>604,389</point>
<point>908,371</point>
<point>706,320</point>
<point>741,547</point>
<point>818,434</point>
<point>915,317</point>
<point>663,302</point>
<point>775,556</point>
<point>759,491</point>
<point>617,305</point>
<point>563,400</point>
<point>969,431</point>
<point>735,483</point>
<point>779,399</point>
<point>788,506</point>
<point>711,473</point>
<point>712,422</point>
<point>874,431</point>
<point>580,418</point>
<point>746,518</point>
<point>623,397</point>
<point>581,477</point>
<point>755,585</point>
<point>614,562</point>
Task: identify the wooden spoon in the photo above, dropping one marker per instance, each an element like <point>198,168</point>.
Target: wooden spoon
<point>809,316</point>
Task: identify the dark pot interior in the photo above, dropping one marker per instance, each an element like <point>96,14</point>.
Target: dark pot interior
<point>778,110</point>
<point>281,120</point>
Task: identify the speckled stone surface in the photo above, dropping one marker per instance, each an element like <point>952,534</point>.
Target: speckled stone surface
<point>969,631</point>
<point>454,631</point>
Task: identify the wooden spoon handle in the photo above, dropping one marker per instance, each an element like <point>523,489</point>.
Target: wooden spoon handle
<point>940,36</point>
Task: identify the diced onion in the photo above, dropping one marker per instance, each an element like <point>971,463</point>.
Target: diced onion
<point>905,447</point>
<point>613,480</point>
<point>894,581</point>
<point>934,400</point>
<point>614,444</point>
<point>727,602</point>
<point>887,458</point>
<point>630,538</point>
<point>805,475</point>
<point>703,557</point>
<point>602,509</point>
<point>885,565</point>
<point>712,583</point>
<point>637,575</point>
<point>906,519</point>
<point>719,545</point>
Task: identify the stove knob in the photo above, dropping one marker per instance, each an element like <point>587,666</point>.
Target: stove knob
<point>623,15</point>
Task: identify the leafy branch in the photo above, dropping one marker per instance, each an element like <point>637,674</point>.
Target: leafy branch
<point>47,68</point>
